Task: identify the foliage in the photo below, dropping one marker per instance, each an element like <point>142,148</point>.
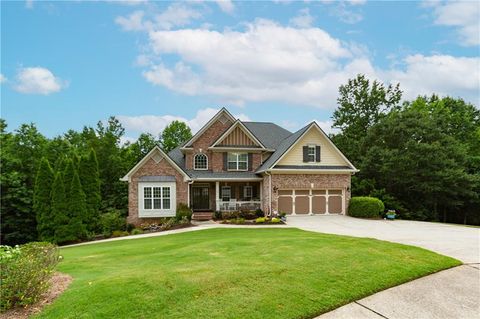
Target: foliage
<point>248,214</point>
<point>26,273</point>
<point>275,220</point>
<point>367,207</point>
<point>236,221</point>
<point>260,220</point>
<point>175,134</point>
<point>168,224</point>
<point>183,211</point>
<point>250,262</point>
<point>259,213</point>
<point>230,215</point>
<point>90,179</point>
<point>217,214</point>
<point>136,231</point>
<point>119,233</point>
<point>111,222</point>
<point>42,201</point>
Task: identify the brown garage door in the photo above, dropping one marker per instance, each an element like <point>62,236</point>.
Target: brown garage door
<point>321,201</point>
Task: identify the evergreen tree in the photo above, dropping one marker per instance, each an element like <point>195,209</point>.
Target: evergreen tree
<point>59,211</point>
<point>77,208</point>
<point>42,201</point>
<point>90,179</point>
<point>68,175</point>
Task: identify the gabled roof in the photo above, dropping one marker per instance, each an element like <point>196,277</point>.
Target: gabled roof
<point>223,111</point>
<point>270,134</point>
<point>148,156</point>
<point>240,124</point>
<point>287,144</point>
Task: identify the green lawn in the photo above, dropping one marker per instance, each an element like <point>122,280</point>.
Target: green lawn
<point>233,273</point>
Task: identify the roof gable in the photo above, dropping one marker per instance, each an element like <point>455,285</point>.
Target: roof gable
<point>223,116</point>
<point>237,135</point>
<point>157,154</point>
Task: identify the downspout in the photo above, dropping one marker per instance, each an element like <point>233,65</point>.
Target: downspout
<point>188,192</point>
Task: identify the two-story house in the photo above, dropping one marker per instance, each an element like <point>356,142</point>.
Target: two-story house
<point>235,165</point>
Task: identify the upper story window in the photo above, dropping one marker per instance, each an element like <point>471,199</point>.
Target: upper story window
<point>200,162</point>
<point>237,161</point>
<point>311,154</point>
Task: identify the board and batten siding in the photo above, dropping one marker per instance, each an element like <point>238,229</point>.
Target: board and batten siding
<point>237,137</point>
<point>328,155</point>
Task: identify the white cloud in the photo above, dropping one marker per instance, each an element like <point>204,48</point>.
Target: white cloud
<point>303,20</point>
<point>29,4</point>
<point>37,80</point>
<point>226,5</point>
<point>463,15</point>
<point>345,14</point>
<point>155,124</point>
<point>176,15</point>
<point>3,79</point>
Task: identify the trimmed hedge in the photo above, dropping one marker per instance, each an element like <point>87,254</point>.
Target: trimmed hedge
<point>365,207</point>
<point>183,211</point>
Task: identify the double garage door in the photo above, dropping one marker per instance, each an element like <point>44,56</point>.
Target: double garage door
<point>311,201</point>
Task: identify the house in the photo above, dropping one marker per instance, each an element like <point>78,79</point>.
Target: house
<point>235,165</point>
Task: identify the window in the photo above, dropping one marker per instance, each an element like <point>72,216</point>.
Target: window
<point>226,193</point>
<point>237,161</point>
<point>311,153</point>
<point>248,192</point>
<point>156,198</point>
<point>200,162</point>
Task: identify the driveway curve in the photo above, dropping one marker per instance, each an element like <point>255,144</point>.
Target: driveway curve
<point>460,242</point>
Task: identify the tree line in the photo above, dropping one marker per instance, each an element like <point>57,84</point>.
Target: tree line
<point>56,189</point>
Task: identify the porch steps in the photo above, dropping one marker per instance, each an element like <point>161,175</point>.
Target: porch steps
<point>202,216</point>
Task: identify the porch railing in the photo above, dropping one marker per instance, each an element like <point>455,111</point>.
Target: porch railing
<point>238,205</point>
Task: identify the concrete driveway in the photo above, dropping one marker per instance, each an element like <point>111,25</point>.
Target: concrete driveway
<point>460,242</point>
<point>453,293</point>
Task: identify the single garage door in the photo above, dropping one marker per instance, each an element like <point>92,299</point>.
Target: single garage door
<point>306,201</point>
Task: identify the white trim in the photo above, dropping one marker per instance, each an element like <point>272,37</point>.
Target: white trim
<point>147,213</point>
<point>245,187</point>
<point>244,129</point>
<point>235,149</point>
<point>314,146</point>
<point>200,169</point>
<point>206,126</point>
<point>313,124</point>
<point>217,195</point>
<point>231,179</point>
<point>237,169</point>
<point>127,177</point>
<point>311,170</point>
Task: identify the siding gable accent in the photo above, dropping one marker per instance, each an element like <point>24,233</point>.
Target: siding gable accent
<point>238,135</point>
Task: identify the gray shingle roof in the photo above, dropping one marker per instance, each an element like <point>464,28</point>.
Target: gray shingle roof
<point>162,178</point>
<point>269,134</point>
<point>282,148</point>
<point>209,174</point>
<point>177,156</point>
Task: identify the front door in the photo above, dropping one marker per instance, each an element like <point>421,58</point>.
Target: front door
<point>200,198</point>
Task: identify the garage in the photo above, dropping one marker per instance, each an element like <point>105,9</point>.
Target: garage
<point>311,201</point>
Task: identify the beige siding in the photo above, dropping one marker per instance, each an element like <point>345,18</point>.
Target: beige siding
<point>237,137</point>
<point>328,154</point>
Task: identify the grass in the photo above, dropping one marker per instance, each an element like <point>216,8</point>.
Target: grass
<point>233,273</point>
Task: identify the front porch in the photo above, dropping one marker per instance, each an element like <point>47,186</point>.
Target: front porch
<point>225,196</point>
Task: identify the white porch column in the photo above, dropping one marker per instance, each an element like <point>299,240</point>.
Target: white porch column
<point>217,196</point>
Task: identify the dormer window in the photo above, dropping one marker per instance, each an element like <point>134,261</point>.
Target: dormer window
<point>200,162</point>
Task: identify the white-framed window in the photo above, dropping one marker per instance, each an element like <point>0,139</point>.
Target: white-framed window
<point>226,193</point>
<point>311,155</point>
<point>156,197</point>
<point>200,162</point>
<point>248,192</point>
<point>237,161</point>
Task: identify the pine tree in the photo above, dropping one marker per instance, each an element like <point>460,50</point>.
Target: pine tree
<point>42,201</point>
<point>68,175</point>
<point>60,212</point>
<point>90,179</point>
<point>77,207</point>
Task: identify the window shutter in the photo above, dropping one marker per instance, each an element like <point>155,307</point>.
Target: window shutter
<point>317,153</point>
<point>225,161</point>
<point>250,161</point>
<point>305,154</point>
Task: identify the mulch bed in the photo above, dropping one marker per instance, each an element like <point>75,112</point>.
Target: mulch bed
<point>59,283</point>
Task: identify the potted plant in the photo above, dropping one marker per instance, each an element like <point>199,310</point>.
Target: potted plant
<point>391,214</point>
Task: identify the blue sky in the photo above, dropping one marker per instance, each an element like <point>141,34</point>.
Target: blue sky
<point>69,64</point>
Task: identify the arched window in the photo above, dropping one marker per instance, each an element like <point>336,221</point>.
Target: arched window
<point>200,161</point>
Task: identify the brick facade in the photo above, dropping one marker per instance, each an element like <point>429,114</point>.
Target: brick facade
<point>151,168</point>
<point>304,181</point>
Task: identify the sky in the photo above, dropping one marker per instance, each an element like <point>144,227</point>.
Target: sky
<point>67,64</point>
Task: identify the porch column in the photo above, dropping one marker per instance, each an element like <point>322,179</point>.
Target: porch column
<point>217,196</point>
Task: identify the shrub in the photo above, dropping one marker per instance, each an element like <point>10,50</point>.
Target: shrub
<point>247,214</point>
<point>238,221</point>
<point>26,273</point>
<point>130,227</point>
<point>183,211</point>
<point>259,213</point>
<point>112,221</point>
<point>230,215</point>
<point>168,224</point>
<point>366,207</point>
<point>136,231</point>
<point>260,220</point>
<point>184,221</point>
<point>275,220</point>
<point>119,233</point>
<point>217,214</point>
<point>282,214</point>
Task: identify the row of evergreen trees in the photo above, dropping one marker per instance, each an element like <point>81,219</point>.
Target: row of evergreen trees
<point>67,198</point>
